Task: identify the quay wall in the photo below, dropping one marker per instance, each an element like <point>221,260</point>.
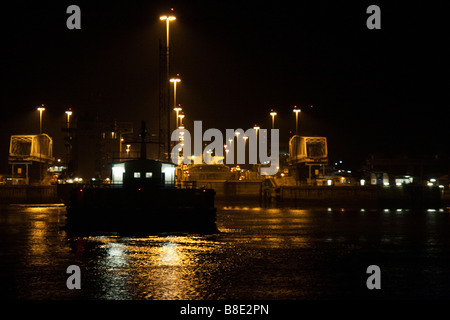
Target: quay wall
<point>258,192</point>
<point>369,196</point>
<point>234,190</point>
<point>28,194</point>
<point>364,196</point>
<point>329,195</point>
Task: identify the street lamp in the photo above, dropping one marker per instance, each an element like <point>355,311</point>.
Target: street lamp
<point>181,116</point>
<point>128,149</point>
<point>40,109</point>
<point>245,144</point>
<point>256,127</point>
<point>177,110</point>
<point>175,81</point>
<point>69,113</point>
<point>296,118</point>
<point>273,114</point>
<point>168,19</point>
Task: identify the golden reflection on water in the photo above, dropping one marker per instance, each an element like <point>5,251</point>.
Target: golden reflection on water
<point>172,280</point>
<point>37,241</point>
<point>170,267</point>
<point>40,244</point>
<point>163,268</point>
<point>258,253</point>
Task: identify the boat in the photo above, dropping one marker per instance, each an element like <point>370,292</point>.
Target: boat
<point>141,210</point>
<point>141,198</point>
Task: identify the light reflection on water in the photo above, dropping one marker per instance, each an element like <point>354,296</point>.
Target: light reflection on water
<point>276,253</point>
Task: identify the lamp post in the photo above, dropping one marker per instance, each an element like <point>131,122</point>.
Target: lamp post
<point>69,142</point>
<point>230,140</point>
<point>181,116</point>
<point>167,19</point>
<point>177,110</point>
<point>245,147</point>
<point>175,81</point>
<point>273,114</point>
<point>69,113</point>
<point>256,128</point>
<point>40,109</point>
<point>245,142</point>
<point>296,118</point>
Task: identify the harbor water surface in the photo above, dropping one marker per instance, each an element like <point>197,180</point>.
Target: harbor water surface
<point>259,254</point>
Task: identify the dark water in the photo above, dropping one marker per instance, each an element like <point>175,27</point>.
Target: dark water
<point>261,254</point>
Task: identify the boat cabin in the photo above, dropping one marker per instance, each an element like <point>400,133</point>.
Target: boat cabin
<point>143,173</point>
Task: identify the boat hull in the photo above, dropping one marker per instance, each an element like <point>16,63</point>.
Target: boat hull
<point>141,210</point>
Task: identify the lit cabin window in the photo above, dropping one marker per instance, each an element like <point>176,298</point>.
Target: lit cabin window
<point>148,174</point>
<point>137,174</point>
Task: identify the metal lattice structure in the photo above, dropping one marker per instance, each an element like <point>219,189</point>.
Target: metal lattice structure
<point>308,150</point>
<point>38,148</point>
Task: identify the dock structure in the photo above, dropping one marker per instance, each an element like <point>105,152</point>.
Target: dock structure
<point>307,154</point>
<point>29,157</point>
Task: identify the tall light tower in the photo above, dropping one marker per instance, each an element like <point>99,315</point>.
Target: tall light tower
<point>168,19</point>
<point>165,93</point>
<point>273,114</point>
<point>175,81</point>
<point>69,113</point>
<point>296,118</point>
<point>177,110</point>
<point>68,141</point>
<point>40,109</point>
<point>256,128</point>
<point>181,116</point>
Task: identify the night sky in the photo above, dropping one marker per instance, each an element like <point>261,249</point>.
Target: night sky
<point>370,90</point>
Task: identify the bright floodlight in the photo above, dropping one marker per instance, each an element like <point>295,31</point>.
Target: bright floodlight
<point>167,18</point>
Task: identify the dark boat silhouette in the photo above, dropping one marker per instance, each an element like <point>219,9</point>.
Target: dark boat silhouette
<point>146,201</point>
